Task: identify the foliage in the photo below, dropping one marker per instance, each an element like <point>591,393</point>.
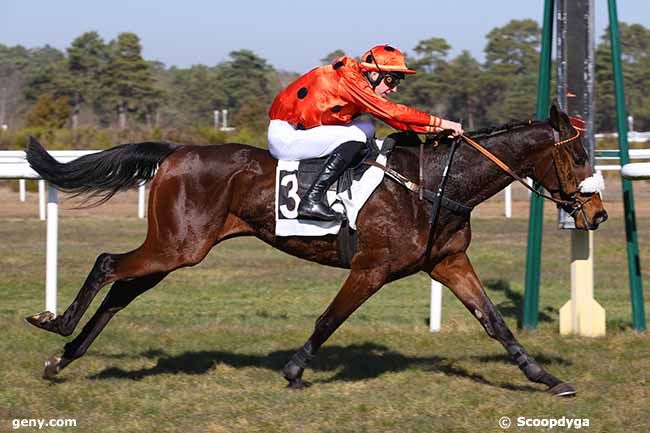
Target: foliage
<point>110,82</point>
<point>329,58</point>
<point>49,112</point>
<point>635,47</point>
<point>131,79</point>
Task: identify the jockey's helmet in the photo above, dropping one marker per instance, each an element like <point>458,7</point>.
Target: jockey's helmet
<point>384,58</point>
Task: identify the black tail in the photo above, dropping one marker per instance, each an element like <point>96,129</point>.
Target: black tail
<point>100,175</point>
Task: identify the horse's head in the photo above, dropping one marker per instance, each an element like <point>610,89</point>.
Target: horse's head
<point>566,173</point>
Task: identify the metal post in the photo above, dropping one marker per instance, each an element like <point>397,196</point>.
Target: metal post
<point>534,252</point>
<point>581,315</point>
<point>508,201</point>
<point>51,249</point>
<point>633,260</point>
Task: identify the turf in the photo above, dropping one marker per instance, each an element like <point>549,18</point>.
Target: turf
<point>202,352</point>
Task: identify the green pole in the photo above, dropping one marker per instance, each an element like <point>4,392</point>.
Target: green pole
<point>633,260</point>
<point>536,216</point>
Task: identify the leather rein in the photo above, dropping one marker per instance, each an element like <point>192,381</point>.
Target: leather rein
<point>575,204</point>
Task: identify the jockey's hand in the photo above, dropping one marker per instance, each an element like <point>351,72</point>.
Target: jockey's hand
<point>456,127</point>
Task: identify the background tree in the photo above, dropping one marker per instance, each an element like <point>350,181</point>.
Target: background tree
<point>49,112</point>
<point>88,63</point>
<point>635,55</point>
<point>130,78</point>
<point>197,93</point>
<point>432,54</point>
<point>512,55</point>
<point>246,77</point>
<point>329,58</point>
<point>464,96</point>
<point>427,90</point>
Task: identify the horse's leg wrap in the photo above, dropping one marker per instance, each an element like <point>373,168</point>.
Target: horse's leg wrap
<point>293,370</point>
<point>531,369</point>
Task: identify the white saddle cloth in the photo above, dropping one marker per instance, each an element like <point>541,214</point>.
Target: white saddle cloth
<point>286,210</point>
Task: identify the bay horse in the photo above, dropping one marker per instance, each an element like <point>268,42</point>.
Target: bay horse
<point>203,195</point>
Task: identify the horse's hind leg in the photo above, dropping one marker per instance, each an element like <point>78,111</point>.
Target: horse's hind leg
<point>457,273</point>
<point>100,275</point>
<point>118,297</point>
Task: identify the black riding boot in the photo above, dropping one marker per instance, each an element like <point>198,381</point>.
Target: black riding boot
<point>313,205</point>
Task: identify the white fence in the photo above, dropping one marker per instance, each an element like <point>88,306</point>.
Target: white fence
<point>606,160</point>
<point>13,165</point>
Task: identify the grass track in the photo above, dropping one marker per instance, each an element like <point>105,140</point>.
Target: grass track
<point>202,351</point>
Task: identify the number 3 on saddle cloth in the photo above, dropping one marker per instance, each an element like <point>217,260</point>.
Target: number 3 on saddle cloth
<point>293,178</point>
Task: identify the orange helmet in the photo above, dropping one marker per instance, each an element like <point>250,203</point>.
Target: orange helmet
<point>384,58</point>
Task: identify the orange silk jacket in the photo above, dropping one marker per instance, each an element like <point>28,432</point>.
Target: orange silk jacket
<point>334,94</point>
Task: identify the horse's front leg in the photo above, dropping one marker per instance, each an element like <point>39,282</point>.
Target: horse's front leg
<point>457,273</point>
<point>358,287</point>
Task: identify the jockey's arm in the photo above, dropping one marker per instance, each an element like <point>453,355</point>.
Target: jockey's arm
<point>420,129</point>
<point>398,116</point>
<point>386,110</point>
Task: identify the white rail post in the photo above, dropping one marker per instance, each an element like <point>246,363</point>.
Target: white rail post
<point>435,313</point>
<point>51,249</point>
<point>41,199</point>
<point>224,119</point>
<point>141,201</point>
<point>21,189</point>
<point>508,200</point>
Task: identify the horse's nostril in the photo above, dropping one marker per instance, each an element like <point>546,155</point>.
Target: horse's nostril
<point>600,217</point>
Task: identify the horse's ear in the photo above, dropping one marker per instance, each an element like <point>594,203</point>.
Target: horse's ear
<point>555,116</point>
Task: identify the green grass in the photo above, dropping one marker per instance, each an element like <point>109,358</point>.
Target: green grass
<point>202,351</point>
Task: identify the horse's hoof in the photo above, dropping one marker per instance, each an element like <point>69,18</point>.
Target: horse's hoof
<point>298,384</point>
<point>52,367</point>
<point>563,390</point>
<point>42,320</point>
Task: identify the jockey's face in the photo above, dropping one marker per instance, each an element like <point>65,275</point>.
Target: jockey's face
<point>382,89</point>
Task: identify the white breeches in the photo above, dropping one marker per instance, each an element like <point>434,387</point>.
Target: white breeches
<point>285,142</point>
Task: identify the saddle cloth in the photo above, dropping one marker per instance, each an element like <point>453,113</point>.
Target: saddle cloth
<point>293,178</point>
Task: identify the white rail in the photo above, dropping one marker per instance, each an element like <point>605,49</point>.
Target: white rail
<point>13,165</point>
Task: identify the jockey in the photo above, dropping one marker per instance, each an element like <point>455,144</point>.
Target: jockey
<point>315,116</point>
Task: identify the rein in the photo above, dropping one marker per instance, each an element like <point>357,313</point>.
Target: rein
<point>503,166</point>
<point>437,199</point>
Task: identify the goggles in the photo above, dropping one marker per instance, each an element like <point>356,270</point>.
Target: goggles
<point>392,79</point>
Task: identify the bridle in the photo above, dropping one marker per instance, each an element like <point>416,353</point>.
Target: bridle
<point>574,204</point>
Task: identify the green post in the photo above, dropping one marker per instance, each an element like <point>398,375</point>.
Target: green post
<point>633,260</point>
<point>534,253</point>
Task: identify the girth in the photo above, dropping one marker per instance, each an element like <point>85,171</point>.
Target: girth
<point>436,199</point>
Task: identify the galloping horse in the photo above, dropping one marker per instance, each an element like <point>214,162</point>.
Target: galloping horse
<point>202,195</point>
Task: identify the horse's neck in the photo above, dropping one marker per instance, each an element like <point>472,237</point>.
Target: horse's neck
<point>474,178</point>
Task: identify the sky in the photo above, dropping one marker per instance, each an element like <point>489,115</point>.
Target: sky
<point>291,35</point>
